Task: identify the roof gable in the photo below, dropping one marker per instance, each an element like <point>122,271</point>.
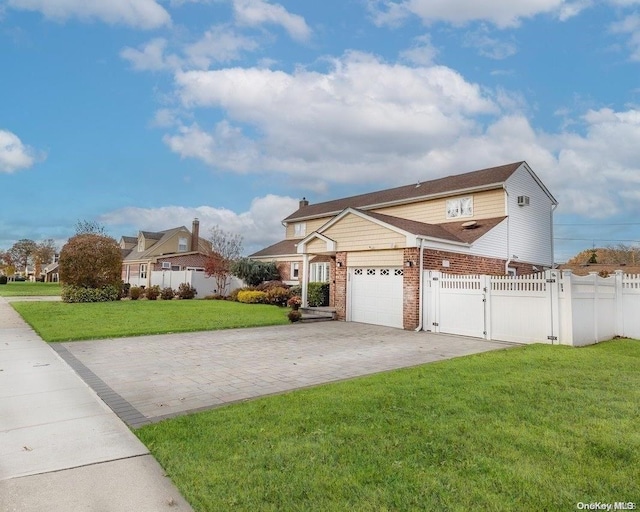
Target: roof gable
<point>450,185</point>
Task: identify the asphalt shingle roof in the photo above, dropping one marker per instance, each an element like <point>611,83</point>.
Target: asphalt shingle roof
<point>447,185</point>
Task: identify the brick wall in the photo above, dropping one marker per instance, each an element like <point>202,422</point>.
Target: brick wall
<point>462,263</point>
<point>185,260</point>
<point>340,288</point>
<point>411,289</point>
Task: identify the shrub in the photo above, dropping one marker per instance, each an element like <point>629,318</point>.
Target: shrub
<point>153,292</point>
<point>294,302</point>
<point>3,279</point>
<point>255,272</point>
<point>294,316</point>
<point>268,285</point>
<point>167,293</point>
<point>186,291</point>
<point>215,296</point>
<point>91,261</point>
<point>135,292</point>
<point>107,293</point>
<point>318,294</point>
<point>296,290</point>
<point>252,297</point>
<point>125,289</point>
<point>234,294</point>
<point>277,296</point>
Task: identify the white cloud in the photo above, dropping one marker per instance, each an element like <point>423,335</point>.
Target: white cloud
<point>502,13</point>
<point>219,44</point>
<point>145,14</point>
<point>260,226</point>
<point>422,52</point>
<point>151,56</point>
<point>258,12</point>
<point>488,46</point>
<point>361,118</point>
<point>14,155</point>
<point>630,26</point>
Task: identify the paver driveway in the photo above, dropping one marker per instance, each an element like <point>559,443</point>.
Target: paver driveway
<point>152,377</point>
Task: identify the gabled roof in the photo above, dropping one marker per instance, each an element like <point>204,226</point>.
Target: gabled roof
<point>157,235</point>
<point>130,239</point>
<point>450,185</point>
<point>282,248</point>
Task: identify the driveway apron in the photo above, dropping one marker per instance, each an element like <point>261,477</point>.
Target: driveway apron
<point>149,378</point>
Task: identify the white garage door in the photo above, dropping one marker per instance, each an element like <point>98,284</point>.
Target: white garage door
<point>375,296</point>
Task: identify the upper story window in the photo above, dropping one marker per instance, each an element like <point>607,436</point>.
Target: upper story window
<point>460,207</point>
<point>300,229</point>
<point>182,244</point>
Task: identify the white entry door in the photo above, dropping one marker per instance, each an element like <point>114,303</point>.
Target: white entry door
<point>375,296</point>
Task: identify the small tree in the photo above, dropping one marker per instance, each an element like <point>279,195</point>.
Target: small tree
<point>21,253</point>
<point>43,254</point>
<point>226,248</point>
<point>255,272</point>
<point>91,261</point>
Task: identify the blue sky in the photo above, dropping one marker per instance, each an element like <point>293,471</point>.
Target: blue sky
<point>143,114</point>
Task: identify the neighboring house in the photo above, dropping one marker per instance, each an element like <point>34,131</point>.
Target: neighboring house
<point>602,269</point>
<point>49,274</point>
<point>373,248</point>
<point>172,249</point>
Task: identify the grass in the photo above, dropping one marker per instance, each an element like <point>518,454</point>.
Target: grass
<point>530,428</point>
<point>59,321</point>
<point>29,289</point>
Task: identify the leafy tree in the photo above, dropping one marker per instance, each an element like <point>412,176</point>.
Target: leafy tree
<point>255,272</point>
<point>91,260</point>
<point>226,248</point>
<point>90,227</point>
<point>43,254</point>
<point>22,251</point>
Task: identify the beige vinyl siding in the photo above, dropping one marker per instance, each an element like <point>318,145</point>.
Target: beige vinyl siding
<point>391,258</point>
<point>353,233</point>
<point>311,226</point>
<point>317,246</point>
<point>486,205</point>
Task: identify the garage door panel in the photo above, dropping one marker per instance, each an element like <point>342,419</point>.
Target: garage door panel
<point>376,296</point>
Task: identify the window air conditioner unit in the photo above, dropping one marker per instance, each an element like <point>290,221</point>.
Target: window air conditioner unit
<point>166,265</point>
<point>523,200</point>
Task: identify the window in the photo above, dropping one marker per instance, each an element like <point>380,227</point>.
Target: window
<point>176,268</point>
<point>182,244</point>
<point>295,270</point>
<point>319,272</point>
<point>143,270</point>
<point>300,229</point>
<point>459,207</point>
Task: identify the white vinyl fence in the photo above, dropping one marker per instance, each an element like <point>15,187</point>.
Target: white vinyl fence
<point>204,285</point>
<point>551,307</point>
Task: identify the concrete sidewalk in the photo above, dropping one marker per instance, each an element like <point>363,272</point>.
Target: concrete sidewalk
<point>61,447</point>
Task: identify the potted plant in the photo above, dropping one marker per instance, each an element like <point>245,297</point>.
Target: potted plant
<point>294,302</point>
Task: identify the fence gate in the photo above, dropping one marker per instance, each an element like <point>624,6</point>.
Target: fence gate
<point>456,304</point>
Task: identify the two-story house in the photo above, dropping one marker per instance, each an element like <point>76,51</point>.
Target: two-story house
<point>171,249</point>
<point>374,248</point>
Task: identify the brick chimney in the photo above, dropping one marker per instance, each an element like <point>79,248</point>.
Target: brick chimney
<point>195,234</point>
<point>304,202</point>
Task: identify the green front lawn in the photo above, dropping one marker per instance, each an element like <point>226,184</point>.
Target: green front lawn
<point>531,428</point>
<point>59,321</point>
<point>29,289</point>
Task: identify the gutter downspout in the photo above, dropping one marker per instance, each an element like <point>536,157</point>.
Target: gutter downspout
<point>553,249</point>
<point>421,286</point>
<point>506,265</point>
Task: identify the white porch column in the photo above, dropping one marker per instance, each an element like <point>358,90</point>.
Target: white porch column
<point>305,279</point>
